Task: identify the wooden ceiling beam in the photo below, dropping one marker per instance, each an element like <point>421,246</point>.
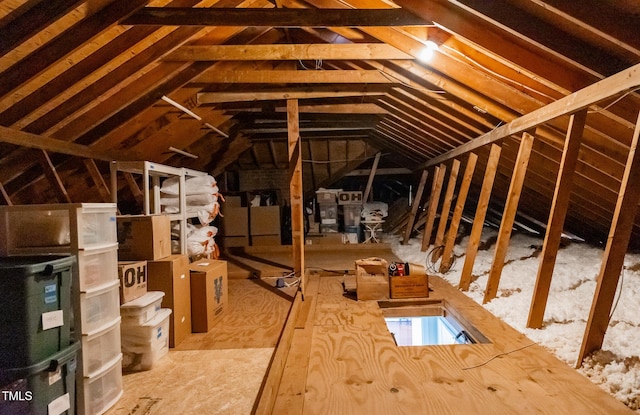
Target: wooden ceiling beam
<point>295,77</point>
<point>313,51</point>
<point>611,86</point>
<point>277,17</point>
<point>23,139</point>
<point>289,93</point>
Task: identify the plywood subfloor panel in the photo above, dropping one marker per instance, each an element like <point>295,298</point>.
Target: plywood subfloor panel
<point>254,319</point>
<point>355,367</point>
<point>196,382</point>
<point>219,372</point>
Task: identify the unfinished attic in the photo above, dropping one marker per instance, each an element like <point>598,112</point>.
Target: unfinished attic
<point>319,207</point>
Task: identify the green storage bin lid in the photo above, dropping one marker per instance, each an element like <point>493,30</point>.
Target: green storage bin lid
<point>30,265</point>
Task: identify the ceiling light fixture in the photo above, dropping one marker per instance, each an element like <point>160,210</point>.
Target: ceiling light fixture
<point>426,54</point>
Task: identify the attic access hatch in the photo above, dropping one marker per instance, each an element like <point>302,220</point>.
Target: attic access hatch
<point>428,323</point>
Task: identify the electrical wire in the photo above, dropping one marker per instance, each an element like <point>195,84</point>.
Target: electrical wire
<point>498,355</point>
<point>614,102</point>
<point>619,294</point>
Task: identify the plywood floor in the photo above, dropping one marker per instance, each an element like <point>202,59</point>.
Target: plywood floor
<point>219,372</point>
<point>344,361</point>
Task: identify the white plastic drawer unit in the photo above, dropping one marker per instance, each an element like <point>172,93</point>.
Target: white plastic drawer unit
<point>100,348</point>
<point>97,267</point>
<point>100,391</point>
<point>99,307</point>
<point>56,228</point>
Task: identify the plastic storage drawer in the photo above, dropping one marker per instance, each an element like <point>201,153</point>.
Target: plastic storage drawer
<point>47,387</point>
<point>141,309</point>
<point>99,307</point>
<point>97,267</point>
<point>102,390</point>
<point>100,348</point>
<point>144,345</point>
<point>35,308</point>
<point>56,228</point>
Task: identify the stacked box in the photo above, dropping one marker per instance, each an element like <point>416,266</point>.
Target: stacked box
<point>145,331</point>
<point>372,279</point>
<point>209,293</point>
<point>265,225</point>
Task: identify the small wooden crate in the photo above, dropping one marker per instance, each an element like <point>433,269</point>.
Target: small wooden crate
<point>372,279</point>
<point>409,286</point>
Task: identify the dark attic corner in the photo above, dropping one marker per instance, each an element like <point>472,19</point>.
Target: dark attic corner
<point>319,207</point>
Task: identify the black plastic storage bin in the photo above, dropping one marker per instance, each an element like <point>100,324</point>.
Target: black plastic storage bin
<point>45,388</point>
<point>35,309</point>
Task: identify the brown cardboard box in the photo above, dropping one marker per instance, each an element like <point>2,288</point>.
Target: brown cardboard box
<point>144,237</point>
<point>209,293</point>
<point>133,280</point>
<point>409,286</point>
<point>235,221</point>
<point>265,220</point>
<point>372,279</point>
<point>171,276</point>
<point>232,202</point>
<point>235,241</point>
<point>265,240</point>
<point>350,198</point>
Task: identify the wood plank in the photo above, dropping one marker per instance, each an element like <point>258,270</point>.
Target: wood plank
<point>60,46</point>
<point>5,196</point>
<point>345,76</point>
<point>415,207</point>
<point>478,220</point>
<point>296,190</point>
<point>24,139</point>
<point>220,97</point>
<point>557,216</point>
<point>52,176</point>
<point>452,233</point>
<point>614,252</point>
<point>290,399</point>
<point>313,51</point>
<point>268,391</point>
<point>434,201</point>
<point>368,195</point>
<point>508,217</point>
<point>277,17</point>
<point>446,209</point>
<point>621,82</point>
<point>98,180</point>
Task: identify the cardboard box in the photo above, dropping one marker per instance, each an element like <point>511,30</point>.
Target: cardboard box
<point>171,276</point>
<point>266,240</point>
<point>133,280</point>
<point>326,196</point>
<point>144,237</point>
<point>235,221</point>
<point>235,241</point>
<point>209,293</point>
<point>232,202</point>
<point>265,220</point>
<point>350,198</point>
<point>409,286</point>
<point>372,279</point>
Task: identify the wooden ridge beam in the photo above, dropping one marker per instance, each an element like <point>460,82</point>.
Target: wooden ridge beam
<point>313,51</point>
<point>276,17</point>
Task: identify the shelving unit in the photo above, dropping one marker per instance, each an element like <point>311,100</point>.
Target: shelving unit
<point>152,173</point>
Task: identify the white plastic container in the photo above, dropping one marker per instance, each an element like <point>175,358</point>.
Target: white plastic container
<point>99,307</point>
<point>142,309</point>
<point>100,391</point>
<point>97,267</point>
<point>56,228</point>
<point>100,348</point>
<point>144,345</point>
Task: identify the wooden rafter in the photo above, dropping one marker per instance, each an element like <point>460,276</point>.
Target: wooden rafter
<point>176,16</point>
<point>98,180</point>
<point>352,76</point>
<point>52,176</point>
<point>434,201</point>
<point>416,205</point>
<point>446,210</point>
<point>290,93</point>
